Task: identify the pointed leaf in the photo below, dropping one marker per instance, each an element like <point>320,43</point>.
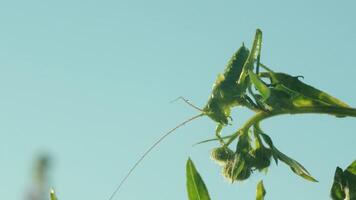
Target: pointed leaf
<point>292,83</point>
<point>260,191</point>
<point>352,168</point>
<point>294,165</point>
<point>195,186</point>
<point>337,189</point>
<point>212,139</point>
<point>268,140</point>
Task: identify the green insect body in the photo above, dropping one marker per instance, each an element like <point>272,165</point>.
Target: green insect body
<point>230,88</point>
<point>253,56</point>
<point>226,93</point>
<point>260,85</point>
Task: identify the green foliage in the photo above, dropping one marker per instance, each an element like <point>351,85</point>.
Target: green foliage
<point>236,170</point>
<point>195,185</point>
<point>284,94</point>
<point>268,94</point>
<point>294,165</point>
<point>292,84</point>
<point>52,195</point>
<point>344,186</point>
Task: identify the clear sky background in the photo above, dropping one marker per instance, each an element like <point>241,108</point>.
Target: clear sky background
<point>90,82</point>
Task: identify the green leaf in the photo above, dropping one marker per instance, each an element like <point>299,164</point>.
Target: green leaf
<point>195,186</point>
<point>295,166</point>
<point>352,168</point>
<point>344,186</point>
<point>213,139</point>
<point>269,142</point>
<point>260,191</point>
<point>307,95</point>
<point>337,189</point>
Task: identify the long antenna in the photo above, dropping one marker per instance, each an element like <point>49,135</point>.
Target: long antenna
<point>149,150</point>
<point>187,102</point>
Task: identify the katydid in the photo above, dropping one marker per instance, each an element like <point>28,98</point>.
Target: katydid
<point>230,88</point>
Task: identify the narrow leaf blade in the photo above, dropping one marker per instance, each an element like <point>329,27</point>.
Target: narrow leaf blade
<point>195,185</point>
<point>260,191</point>
<point>295,166</point>
<point>268,140</point>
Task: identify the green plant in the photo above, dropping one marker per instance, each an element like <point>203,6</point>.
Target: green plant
<point>195,185</point>
<point>344,186</point>
<point>247,82</point>
<point>197,190</point>
<point>274,94</point>
<point>268,94</point>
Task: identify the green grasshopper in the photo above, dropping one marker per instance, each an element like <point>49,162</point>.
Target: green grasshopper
<point>226,94</point>
<point>230,88</point>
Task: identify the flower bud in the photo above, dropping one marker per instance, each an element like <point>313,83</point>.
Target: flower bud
<point>232,173</point>
<point>221,155</point>
<point>262,158</point>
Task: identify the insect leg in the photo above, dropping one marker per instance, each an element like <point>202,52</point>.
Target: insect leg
<point>218,133</point>
<point>251,104</point>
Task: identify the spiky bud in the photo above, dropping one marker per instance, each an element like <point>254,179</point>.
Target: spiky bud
<point>222,155</point>
<point>232,172</point>
<point>262,158</point>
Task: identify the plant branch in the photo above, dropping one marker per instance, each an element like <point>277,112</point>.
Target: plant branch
<point>262,115</point>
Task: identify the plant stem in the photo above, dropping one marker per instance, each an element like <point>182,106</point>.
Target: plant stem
<point>262,115</point>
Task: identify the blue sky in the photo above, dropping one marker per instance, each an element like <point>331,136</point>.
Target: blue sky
<point>90,82</point>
